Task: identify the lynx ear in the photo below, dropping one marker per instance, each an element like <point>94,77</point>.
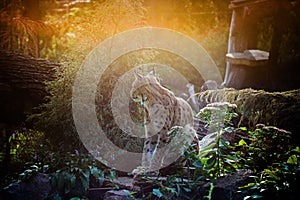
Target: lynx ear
<point>152,72</point>
<point>137,75</point>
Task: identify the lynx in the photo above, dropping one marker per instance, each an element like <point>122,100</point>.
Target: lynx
<point>163,112</point>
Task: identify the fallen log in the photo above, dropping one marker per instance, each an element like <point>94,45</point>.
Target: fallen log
<point>22,84</point>
<point>280,109</point>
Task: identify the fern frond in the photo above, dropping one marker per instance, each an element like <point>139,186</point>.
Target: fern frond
<point>22,35</point>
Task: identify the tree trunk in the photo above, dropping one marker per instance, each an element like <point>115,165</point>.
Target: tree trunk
<point>22,84</point>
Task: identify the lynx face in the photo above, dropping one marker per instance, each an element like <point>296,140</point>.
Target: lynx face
<point>141,88</point>
<point>138,96</point>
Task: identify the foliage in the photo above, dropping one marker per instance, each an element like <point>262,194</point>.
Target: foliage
<point>55,117</point>
<point>76,172</point>
<point>286,24</point>
<point>206,21</point>
<point>83,27</point>
<point>274,182</point>
<point>77,33</point>
<point>71,174</point>
<point>268,145</point>
<point>267,151</point>
<point>274,158</point>
<point>21,34</point>
<point>257,106</point>
<point>26,148</point>
<point>214,156</point>
<point>27,145</point>
<point>209,196</point>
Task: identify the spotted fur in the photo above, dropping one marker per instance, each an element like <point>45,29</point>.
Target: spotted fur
<point>163,110</point>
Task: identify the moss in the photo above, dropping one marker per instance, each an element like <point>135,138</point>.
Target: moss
<point>281,109</point>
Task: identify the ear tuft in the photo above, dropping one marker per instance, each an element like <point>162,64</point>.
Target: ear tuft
<point>152,72</point>
<point>137,75</point>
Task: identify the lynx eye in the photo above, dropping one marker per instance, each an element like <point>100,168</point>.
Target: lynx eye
<point>135,96</point>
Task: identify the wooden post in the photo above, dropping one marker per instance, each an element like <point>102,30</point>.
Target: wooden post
<point>243,28</point>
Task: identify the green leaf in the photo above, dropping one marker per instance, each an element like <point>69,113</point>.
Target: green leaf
<point>86,173</point>
<point>187,189</point>
<point>297,150</point>
<point>75,198</point>
<point>242,142</point>
<point>73,180</point>
<point>209,147</point>
<point>231,158</point>
<point>13,151</point>
<point>225,143</point>
<point>231,166</point>
<point>256,196</point>
<point>210,192</point>
<point>248,186</point>
<point>95,172</point>
<point>157,193</point>
<point>222,151</point>
<point>68,182</point>
<point>198,164</point>
<point>101,180</point>
<point>171,190</point>
<point>178,189</point>
<point>207,153</point>
<point>61,180</point>
<point>210,163</point>
<point>57,197</point>
<point>243,128</point>
<point>292,160</point>
<point>84,182</point>
<point>112,175</point>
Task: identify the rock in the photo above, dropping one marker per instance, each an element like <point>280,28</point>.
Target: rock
<point>232,182</point>
<point>97,193</point>
<point>209,85</point>
<point>38,187</point>
<point>226,187</point>
<point>117,195</point>
<point>280,109</point>
<point>126,183</point>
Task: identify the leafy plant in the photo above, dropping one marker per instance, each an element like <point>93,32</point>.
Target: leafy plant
<point>209,196</point>
<point>275,160</point>
<point>21,34</point>
<point>216,157</point>
<point>267,151</point>
<point>28,145</point>
<point>25,149</point>
<point>267,145</point>
<point>76,175</point>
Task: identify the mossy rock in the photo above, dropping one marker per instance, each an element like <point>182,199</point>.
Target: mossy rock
<point>280,109</point>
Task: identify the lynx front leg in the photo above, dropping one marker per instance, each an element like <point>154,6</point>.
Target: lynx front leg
<point>147,153</point>
<point>157,156</point>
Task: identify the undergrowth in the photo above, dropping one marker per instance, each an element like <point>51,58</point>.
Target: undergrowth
<point>268,153</point>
